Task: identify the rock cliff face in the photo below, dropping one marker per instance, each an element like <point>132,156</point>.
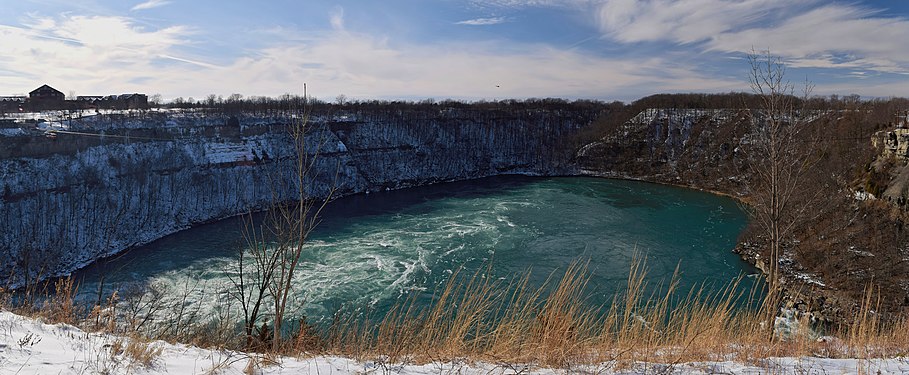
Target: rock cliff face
<point>108,184</point>
<point>893,145</point>
<point>699,148</point>
<point>838,246</point>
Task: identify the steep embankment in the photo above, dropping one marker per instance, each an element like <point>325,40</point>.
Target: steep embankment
<point>698,148</point>
<point>125,181</point>
<point>840,244</point>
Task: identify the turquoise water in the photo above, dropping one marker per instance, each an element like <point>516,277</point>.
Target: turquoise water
<point>370,250</point>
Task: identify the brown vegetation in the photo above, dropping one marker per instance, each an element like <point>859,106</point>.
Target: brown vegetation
<point>840,242</point>
<point>513,323</point>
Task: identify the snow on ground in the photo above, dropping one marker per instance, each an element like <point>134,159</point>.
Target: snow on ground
<point>12,132</point>
<point>810,279</point>
<point>60,115</point>
<point>227,152</point>
<point>30,347</point>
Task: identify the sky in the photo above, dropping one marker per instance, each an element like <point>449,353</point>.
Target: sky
<point>440,49</point>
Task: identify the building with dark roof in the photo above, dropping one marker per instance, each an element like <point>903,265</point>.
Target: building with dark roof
<point>46,93</point>
<point>46,97</point>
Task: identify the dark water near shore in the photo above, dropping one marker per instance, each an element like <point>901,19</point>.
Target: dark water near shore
<point>370,250</point>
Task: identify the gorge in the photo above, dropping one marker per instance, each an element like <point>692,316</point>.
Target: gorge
<point>110,182</point>
<point>116,181</point>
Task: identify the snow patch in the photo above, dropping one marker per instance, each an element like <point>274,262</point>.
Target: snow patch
<point>12,132</point>
<point>218,153</point>
<point>28,346</point>
<point>810,279</point>
<point>861,253</point>
<point>862,196</point>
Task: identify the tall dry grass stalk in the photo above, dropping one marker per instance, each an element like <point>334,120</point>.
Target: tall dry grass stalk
<point>60,305</point>
<point>868,335</point>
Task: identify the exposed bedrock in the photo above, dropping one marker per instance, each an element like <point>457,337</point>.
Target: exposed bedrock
<point>68,201</point>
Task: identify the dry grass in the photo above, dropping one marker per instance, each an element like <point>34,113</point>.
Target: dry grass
<point>137,353</point>
<point>142,353</point>
<point>479,318</point>
<point>482,318</point>
<point>61,306</point>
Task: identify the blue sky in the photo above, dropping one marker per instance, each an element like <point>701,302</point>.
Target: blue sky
<point>462,49</point>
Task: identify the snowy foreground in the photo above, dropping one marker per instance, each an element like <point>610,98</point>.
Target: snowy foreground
<point>30,347</point>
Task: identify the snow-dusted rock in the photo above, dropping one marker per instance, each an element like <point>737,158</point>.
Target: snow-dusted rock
<point>118,180</point>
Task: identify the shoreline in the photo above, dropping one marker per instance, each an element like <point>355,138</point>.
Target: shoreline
<point>581,173</point>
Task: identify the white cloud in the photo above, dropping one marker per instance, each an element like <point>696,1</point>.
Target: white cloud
<point>806,34</point>
<point>103,55</point>
<point>337,19</point>
<point>682,21</point>
<point>482,21</point>
<point>150,4</point>
<point>93,55</point>
<point>365,66</point>
<point>830,36</point>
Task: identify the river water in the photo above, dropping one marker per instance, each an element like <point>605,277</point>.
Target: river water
<point>370,250</point>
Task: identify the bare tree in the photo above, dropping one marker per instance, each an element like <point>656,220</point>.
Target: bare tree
<point>267,265</point>
<point>251,278</point>
<point>782,152</point>
<point>293,226</point>
<point>155,100</point>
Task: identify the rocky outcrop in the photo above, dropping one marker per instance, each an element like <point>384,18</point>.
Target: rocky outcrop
<point>105,185</point>
<point>891,166</point>
<point>699,148</point>
<point>836,248</point>
<point>893,143</point>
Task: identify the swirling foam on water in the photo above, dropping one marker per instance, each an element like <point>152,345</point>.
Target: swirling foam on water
<point>370,251</point>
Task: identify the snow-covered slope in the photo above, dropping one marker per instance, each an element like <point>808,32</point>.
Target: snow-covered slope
<point>31,347</point>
